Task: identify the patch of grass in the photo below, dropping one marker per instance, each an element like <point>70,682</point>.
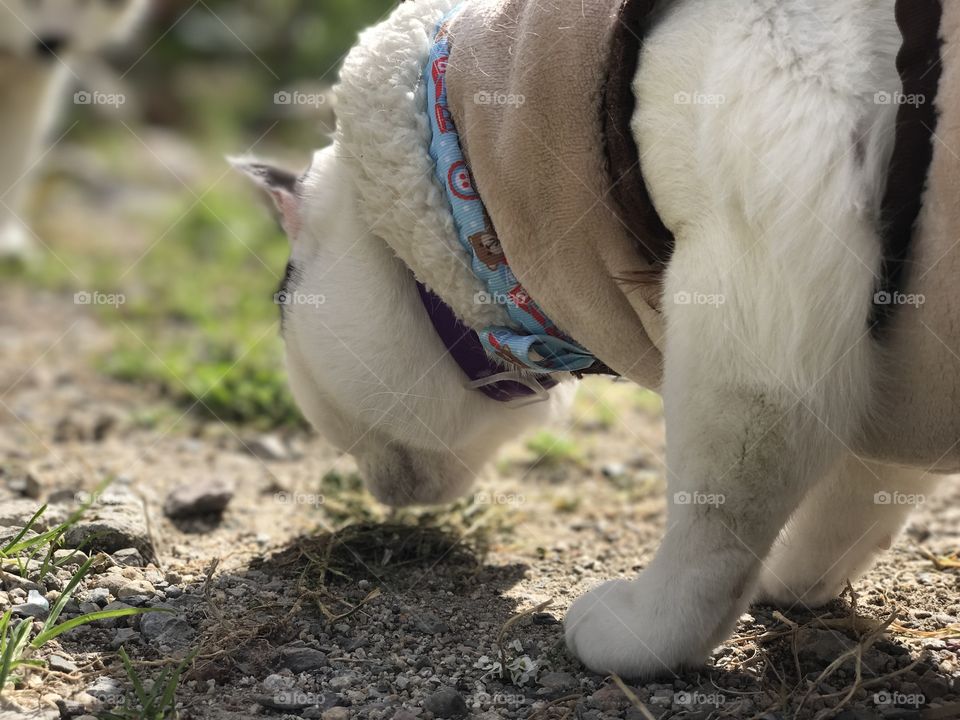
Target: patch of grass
<point>204,327</point>
<point>198,322</point>
<point>154,698</point>
<point>16,643</point>
<point>552,450</point>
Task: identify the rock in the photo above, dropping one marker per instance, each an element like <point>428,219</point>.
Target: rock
<point>84,426</point>
<point>432,625</point>
<point>162,629</point>
<point>821,646</point>
<point>36,606</point>
<point>933,685</point>
<point>446,703</point>
<point>23,482</point>
<point>70,709</point>
<point>613,471</point>
<point>558,682</point>
<point>98,595</point>
<point>121,637</point>
<point>19,586</point>
<point>107,690</point>
<point>70,558</point>
<point>110,581</point>
<point>203,498</point>
<point>609,698</point>
<point>336,713</point>
<point>302,659</point>
<point>343,681</point>
<point>289,700</point>
<point>129,557</point>
<point>17,512</point>
<point>268,447</point>
<point>544,618</point>
<point>115,521</point>
<point>61,664</point>
<point>275,681</point>
<point>135,587</point>
<point>118,621</point>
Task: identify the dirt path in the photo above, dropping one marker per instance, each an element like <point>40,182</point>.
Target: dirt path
<point>306,600</point>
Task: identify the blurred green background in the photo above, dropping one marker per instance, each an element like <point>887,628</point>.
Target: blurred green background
<point>138,199</point>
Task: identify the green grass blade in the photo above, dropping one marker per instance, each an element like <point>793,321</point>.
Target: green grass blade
<point>19,545</point>
<point>134,678</point>
<point>65,595</point>
<point>9,548</point>
<point>49,633</point>
<point>13,649</point>
<point>169,695</point>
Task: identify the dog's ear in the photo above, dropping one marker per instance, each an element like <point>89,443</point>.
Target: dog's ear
<point>281,185</point>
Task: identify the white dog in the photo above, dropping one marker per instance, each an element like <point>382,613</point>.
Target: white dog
<point>773,191</point>
<point>38,42</point>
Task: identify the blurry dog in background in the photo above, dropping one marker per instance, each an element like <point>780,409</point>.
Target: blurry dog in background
<point>39,43</point>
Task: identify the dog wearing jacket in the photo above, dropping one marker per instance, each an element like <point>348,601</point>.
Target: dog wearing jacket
<point>738,223</point>
<point>38,43</point>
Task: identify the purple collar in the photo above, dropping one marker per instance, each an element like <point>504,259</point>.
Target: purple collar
<point>464,346</point>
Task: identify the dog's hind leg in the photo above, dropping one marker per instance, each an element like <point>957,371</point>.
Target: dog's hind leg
<point>852,514</point>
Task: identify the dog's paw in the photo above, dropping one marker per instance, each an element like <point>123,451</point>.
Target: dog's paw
<point>621,627</point>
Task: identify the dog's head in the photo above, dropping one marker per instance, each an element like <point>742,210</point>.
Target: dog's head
<point>365,363</point>
<point>48,29</point>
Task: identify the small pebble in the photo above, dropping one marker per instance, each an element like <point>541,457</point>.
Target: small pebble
<point>135,587</point>
<point>268,447</point>
<point>61,664</point>
<point>130,557</point>
<point>198,498</point>
<point>446,703</point>
<point>336,713</point>
<point>36,606</point>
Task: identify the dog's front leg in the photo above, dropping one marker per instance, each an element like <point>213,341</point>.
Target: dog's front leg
<point>744,446</point>
<point>734,482</point>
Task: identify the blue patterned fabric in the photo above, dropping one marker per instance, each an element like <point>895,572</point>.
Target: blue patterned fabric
<point>533,342</point>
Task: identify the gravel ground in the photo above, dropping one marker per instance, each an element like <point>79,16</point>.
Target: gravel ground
<point>302,598</point>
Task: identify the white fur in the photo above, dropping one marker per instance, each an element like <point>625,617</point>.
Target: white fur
<point>33,80</point>
<point>772,191</point>
<point>774,210</point>
<point>383,134</point>
<point>366,365</point>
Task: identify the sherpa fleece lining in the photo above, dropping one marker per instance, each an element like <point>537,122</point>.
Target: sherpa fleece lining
<point>384,134</point>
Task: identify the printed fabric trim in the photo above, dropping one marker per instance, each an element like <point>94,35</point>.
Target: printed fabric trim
<point>534,342</point>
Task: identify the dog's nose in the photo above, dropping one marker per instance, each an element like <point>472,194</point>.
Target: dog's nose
<point>50,45</point>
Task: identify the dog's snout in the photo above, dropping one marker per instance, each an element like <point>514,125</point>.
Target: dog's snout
<point>50,46</point>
